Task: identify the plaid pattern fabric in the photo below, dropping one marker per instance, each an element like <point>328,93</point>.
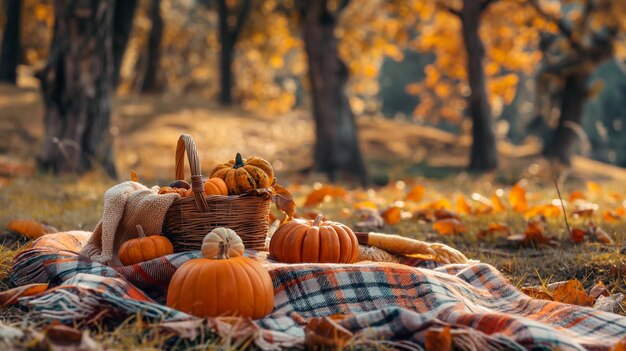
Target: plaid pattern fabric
<point>383,301</point>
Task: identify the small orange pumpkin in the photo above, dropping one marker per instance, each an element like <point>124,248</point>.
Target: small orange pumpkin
<point>242,175</point>
<point>212,186</point>
<point>305,241</point>
<point>144,248</point>
<point>225,286</point>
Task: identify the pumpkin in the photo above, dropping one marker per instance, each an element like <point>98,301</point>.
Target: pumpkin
<point>229,285</point>
<point>212,186</point>
<point>168,190</point>
<point>317,241</point>
<point>211,243</point>
<point>242,175</point>
<point>144,248</point>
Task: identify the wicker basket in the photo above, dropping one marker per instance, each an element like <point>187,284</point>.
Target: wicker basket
<point>190,218</point>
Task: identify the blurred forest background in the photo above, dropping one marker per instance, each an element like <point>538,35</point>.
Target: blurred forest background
<point>346,83</point>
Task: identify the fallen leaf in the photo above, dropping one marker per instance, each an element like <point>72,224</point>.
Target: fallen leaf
<point>599,290</point>
<point>449,226</point>
<point>570,291</point>
<point>59,337</point>
<point>365,204</point>
<point>498,204</point>
<point>517,198</point>
<point>392,215</point>
<point>416,194</point>
<point>30,228</point>
<point>9,297</point>
<point>593,187</point>
<point>492,229</point>
<point>438,205</point>
<point>549,211</point>
<point>611,303</point>
<point>611,216</point>
<point>576,195</point>
<point>438,339</point>
<point>283,198</point>
<point>537,293</point>
<point>462,206</point>
<point>578,235</point>
<point>599,234</point>
<point>322,194</point>
<point>133,176</point>
<point>620,346</point>
<point>442,213</point>
<point>424,215</point>
<point>321,332</point>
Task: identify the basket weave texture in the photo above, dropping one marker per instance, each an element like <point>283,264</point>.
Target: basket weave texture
<point>190,219</point>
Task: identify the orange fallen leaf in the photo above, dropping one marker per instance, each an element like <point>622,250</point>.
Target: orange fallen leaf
<point>576,195</point>
<point>365,204</point>
<point>449,226</point>
<point>325,192</point>
<point>30,228</point>
<point>438,339</point>
<point>517,198</point>
<point>611,216</point>
<point>537,293</point>
<point>133,176</point>
<point>570,291</point>
<point>424,215</point>
<point>416,194</point>
<point>9,297</point>
<point>438,205</point>
<point>498,204</point>
<point>392,215</point>
<point>620,346</point>
<point>593,187</point>
<point>462,206</point>
<point>550,211</point>
<point>283,198</point>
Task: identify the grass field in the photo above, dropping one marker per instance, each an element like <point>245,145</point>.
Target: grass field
<point>147,129</point>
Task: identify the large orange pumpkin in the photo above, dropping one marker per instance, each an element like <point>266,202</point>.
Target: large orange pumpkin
<point>242,175</point>
<point>144,248</point>
<point>225,286</point>
<point>301,240</point>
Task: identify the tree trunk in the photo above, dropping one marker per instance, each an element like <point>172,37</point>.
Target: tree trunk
<point>122,25</point>
<point>575,93</point>
<point>76,85</point>
<point>152,79</point>
<point>10,51</point>
<point>484,155</point>
<point>336,147</point>
<point>226,55</point>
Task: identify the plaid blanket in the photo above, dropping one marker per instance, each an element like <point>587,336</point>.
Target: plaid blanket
<point>398,303</point>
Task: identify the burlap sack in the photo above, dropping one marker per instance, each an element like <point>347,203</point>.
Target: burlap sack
<point>125,206</point>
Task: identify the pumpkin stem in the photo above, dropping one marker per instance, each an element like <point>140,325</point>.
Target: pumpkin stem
<point>140,231</point>
<point>318,220</point>
<point>238,161</point>
<point>222,251</point>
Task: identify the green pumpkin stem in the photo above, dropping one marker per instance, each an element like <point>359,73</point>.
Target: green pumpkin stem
<point>238,161</point>
<point>318,220</point>
<point>222,251</point>
<point>140,231</point>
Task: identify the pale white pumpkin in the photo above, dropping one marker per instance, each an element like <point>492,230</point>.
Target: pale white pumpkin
<point>211,243</point>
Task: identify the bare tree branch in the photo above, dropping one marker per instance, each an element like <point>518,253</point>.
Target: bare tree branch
<point>241,19</point>
<point>563,27</point>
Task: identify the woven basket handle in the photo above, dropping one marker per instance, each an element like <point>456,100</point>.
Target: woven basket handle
<point>186,143</point>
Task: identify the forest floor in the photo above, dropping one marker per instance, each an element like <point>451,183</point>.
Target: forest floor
<point>400,155</point>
